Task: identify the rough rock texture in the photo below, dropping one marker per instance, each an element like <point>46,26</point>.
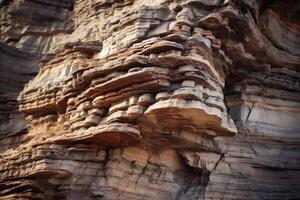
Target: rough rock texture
<point>149,99</point>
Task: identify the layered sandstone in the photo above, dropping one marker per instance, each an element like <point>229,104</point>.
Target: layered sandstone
<point>134,99</point>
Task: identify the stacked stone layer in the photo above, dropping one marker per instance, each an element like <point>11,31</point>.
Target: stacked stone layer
<point>155,99</point>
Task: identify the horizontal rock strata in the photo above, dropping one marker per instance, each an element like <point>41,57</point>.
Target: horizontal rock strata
<point>131,99</point>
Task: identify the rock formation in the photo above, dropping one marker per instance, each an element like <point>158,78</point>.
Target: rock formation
<point>149,99</point>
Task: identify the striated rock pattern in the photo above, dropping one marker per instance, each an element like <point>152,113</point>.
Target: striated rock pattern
<point>149,99</point>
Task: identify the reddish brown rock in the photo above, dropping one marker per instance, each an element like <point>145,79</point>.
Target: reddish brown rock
<point>132,99</point>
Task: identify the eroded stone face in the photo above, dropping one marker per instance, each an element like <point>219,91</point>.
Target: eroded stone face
<point>159,85</point>
<point>154,100</point>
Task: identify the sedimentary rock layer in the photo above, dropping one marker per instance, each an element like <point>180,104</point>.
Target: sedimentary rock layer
<point>132,99</point>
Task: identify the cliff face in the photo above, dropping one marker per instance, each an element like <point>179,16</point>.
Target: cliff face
<point>158,99</point>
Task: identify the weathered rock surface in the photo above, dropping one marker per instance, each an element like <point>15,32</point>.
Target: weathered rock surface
<point>136,99</point>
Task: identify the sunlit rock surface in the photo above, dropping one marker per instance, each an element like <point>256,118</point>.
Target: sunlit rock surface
<point>160,99</point>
